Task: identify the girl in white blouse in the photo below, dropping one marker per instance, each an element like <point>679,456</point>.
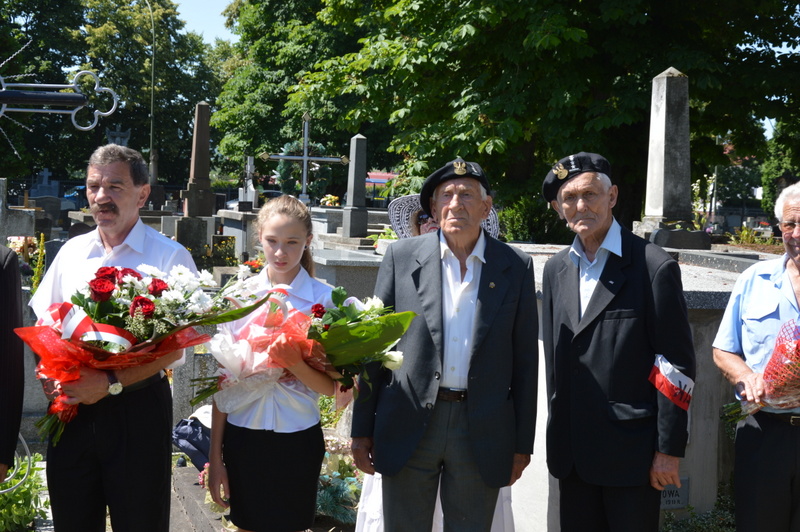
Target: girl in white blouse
<point>266,455</point>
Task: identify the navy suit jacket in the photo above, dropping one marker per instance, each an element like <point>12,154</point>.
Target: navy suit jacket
<point>605,418</point>
<point>502,381</point>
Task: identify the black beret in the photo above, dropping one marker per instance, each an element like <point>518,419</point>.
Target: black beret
<point>452,170</point>
<point>570,167</point>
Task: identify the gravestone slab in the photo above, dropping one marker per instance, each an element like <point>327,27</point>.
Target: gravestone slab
<point>51,248</point>
<point>355,212</point>
<point>191,232</point>
<point>50,205</point>
<point>681,239</point>
<point>157,197</point>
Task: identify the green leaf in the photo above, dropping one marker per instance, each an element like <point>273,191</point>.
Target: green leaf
<point>338,295</point>
<point>352,342</point>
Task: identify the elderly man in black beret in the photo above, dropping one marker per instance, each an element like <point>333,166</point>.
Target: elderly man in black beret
<point>462,408</point>
<point>619,359</point>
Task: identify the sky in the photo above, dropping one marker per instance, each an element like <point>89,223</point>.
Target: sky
<point>206,20</point>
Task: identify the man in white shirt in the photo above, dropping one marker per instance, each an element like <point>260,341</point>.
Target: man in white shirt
<point>461,410</point>
<point>116,452</point>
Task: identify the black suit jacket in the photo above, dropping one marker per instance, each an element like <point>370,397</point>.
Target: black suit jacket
<point>11,353</point>
<point>502,379</point>
<point>605,418</point>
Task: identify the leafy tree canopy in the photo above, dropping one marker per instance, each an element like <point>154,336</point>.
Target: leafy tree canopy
<point>518,85</point>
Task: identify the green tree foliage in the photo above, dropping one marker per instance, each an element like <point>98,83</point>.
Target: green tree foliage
<point>36,46</point>
<point>518,85</point>
<point>279,43</point>
<point>119,39</point>
<point>112,38</point>
<point>781,166</point>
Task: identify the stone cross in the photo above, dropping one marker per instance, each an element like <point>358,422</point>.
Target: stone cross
<point>45,175</point>
<point>305,158</point>
<point>117,136</point>
<point>669,187</point>
<point>355,216</point>
<point>198,198</point>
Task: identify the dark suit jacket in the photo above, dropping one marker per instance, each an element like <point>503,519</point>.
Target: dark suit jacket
<point>606,419</point>
<point>11,361</point>
<point>503,369</point>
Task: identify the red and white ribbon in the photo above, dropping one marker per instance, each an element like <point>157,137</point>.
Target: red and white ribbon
<point>75,324</point>
<point>669,380</point>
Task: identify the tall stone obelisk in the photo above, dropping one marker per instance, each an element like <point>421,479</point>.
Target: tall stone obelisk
<point>669,188</point>
<point>198,199</point>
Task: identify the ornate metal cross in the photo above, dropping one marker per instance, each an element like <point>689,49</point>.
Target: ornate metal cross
<point>305,158</point>
<point>34,97</point>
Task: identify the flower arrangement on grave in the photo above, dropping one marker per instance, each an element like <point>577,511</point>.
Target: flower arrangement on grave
<point>342,339</point>
<point>339,488</point>
<point>30,253</point>
<point>122,319</point>
<point>329,200</point>
<point>256,264</point>
<point>781,377</point>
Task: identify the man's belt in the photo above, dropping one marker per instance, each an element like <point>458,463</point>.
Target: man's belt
<point>791,419</point>
<point>451,395</point>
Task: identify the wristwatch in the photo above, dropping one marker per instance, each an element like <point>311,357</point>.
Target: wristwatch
<point>114,386</point>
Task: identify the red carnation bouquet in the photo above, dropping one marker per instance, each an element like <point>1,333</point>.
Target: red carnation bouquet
<point>341,339</point>
<point>781,377</point>
<point>121,319</point>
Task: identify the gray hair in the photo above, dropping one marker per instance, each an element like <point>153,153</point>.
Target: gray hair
<point>114,153</point>
<point>604,179</point>
<point>790,194</point>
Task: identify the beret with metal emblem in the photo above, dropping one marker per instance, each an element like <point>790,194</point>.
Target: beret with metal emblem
<point>570,167</point>
<point>452,170</point>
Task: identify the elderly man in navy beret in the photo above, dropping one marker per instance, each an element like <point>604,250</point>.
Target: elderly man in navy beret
<point>619,359</point>
<point>461,410</point>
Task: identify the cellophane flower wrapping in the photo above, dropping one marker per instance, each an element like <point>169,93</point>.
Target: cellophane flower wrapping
<point>781,377</point>
<point>122,319</point>
<point>340,340</point>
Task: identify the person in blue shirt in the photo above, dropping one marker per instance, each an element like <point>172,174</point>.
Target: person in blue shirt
<point>765,297</point>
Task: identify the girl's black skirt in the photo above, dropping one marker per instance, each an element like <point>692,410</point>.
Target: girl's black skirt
<point>273,477</point>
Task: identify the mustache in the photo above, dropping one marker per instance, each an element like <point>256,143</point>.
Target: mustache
<point>96,207</point>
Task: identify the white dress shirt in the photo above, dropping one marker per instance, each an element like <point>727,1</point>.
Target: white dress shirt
<point>460,297</point>
<point>590,271</point>
<point>288,406</point>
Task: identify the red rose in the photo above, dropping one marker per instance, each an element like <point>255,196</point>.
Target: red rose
<point>318,310</point>
<point>107,272</point>
<point>127,271</point>
<point>144,305</point>
<point>157,287</point>
<point>101,289</point>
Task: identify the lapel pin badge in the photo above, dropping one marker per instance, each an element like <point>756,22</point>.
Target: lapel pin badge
<point>491,285</point>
